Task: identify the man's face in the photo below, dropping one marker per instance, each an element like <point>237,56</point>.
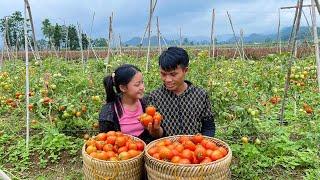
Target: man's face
<point>173,79</point>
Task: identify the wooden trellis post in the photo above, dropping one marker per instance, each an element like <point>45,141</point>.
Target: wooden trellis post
<point>151,9</point>
<point>80,44</point>
<point>234,34</point>
<point>109,42</point>
<point>315,39</point>
<point>212,37</point>
<point>180,37</point>
<point>159,38</point>
<point>27,76</point>
<point>33,31</point>
<point>279,35</point>
<point>293,45</point>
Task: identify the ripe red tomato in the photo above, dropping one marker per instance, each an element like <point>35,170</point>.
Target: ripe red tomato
<point>132,145</point>
<point>179,148</point>
<point>111,139</point>
<point>111,154</point>
<point>175,159</point>
<point>122,149</point>
<point>146,120</point>
<point>102,155</point>
<point>206,160</point>
<point>184,161</point>
<point>100,144</point>
<point>91,149</point>
<point>197,138</point>
<point>204,142</point>
<point>156,155</point>
<point>216,154</point>
<point>183,139</point>
<point>133,153</point>
<point>157,117</point>
<point>107,147</point>
<point>223,151</point>
<point>187,154</point>
<point>200,153</point>
<point>153,150</point>
<point>140,145</point>
<point>151,110</point>
<point>120,141</point>
<point>124,155</point>
<point>165,153</point>
<point>189,145</point>
<point>211,145</point>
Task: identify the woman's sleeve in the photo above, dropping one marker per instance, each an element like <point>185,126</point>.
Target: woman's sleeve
<point>106,119</point>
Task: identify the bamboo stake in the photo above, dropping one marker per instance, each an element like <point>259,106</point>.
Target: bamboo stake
<point>149,34</point>
<point>287,83</point>
<point>7,43</point>
<point>180,37</point>
<point>294,22</point>
<point>109,42</point>
<point>146,29</point>
<point>234,34</point>
<point>159,39</point>
<point>120,47</point>
<point>241,40</point>
<point>66,43</point>
<point>164,40</point>
<point>309,28</point>
<point>318,6</point>
<point>32,51</point>
<point>80,44</point>
<point>316,40</point>
<point>27,76</point>
<point>88,37</point>
<point>212,35</point>
<point>2,56</point>
<point>279,35</point>
<point>54,48</point>
<point>33,31</point>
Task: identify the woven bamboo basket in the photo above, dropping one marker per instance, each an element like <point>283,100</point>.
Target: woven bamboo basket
<point>95,169</point>
<point>217,170</point>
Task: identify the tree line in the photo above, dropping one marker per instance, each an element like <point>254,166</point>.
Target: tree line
<point>56,35</point>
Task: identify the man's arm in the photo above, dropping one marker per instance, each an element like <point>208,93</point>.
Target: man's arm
<point>208,125</point>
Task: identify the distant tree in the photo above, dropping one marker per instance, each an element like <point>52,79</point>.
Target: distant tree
<point>57,36</point>
<point>185,41</point>
<point>85,42</point>
<point>73,39</point>
<point>47,30</point>
<point>15,30</point>
<point>99,42</point>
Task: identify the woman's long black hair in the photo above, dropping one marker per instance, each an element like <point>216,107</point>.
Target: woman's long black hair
<point>121,76</point>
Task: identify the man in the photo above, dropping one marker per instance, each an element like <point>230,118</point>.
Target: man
<point>186,108</point>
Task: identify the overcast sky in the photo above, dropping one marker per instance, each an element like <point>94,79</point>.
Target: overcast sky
<point>130,16</point>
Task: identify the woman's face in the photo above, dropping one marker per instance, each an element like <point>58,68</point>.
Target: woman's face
<point>135,88</point>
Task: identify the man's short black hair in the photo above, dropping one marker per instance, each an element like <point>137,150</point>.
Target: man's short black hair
<point>171,58</point>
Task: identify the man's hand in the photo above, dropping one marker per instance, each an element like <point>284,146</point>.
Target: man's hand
<point>155,130</point>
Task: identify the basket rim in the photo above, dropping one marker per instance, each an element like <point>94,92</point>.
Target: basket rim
<point>151,144</point>
<point>86,155</point>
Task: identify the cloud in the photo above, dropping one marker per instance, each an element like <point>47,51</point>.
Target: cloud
<point>130,17</point>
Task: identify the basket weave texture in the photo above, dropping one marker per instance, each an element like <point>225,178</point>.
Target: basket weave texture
<point>217,170</point>
<point>95,169</point>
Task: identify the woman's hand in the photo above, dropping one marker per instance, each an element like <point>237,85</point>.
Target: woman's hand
<point>155,130</point>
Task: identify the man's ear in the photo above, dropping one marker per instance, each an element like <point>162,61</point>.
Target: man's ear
<point>186,69</point>
<point>123,88</point>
